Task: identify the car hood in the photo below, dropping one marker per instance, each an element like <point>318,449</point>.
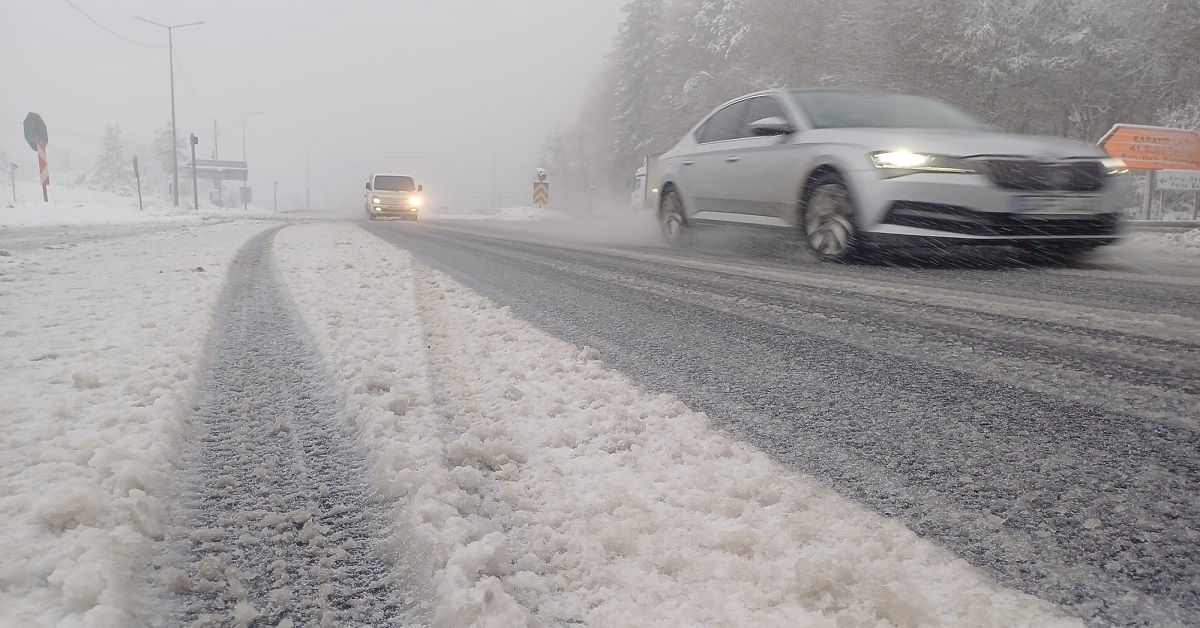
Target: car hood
<point>954,143</point>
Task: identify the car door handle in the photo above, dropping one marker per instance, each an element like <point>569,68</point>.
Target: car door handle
<point>732,158</point>
<point>688,163</point>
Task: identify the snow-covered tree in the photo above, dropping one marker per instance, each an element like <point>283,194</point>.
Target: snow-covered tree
<point>113,171</point>
<point>720,26</point>
<point>1069,67</point>
<point>161,177</point>
<point>636,61</point>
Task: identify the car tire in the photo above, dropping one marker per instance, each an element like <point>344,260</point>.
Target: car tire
<point>830,224</point>
<point>672,220</point>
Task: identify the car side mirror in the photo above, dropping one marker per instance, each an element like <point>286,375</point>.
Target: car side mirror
<point>420,188</point>
<point>772,126</point>
<point>368,185</point>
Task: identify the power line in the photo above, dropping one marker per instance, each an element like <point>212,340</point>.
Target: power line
<point>188,82</point>
<point>106,29</point>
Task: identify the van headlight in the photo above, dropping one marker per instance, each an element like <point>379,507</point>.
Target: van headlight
<point>905,162</point>
<point>415,201</point>
<point>376,200</point>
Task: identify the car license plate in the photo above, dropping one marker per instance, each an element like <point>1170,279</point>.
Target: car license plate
<point>1052,205</point>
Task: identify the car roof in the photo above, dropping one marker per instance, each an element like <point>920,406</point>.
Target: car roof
<point>390,174</point>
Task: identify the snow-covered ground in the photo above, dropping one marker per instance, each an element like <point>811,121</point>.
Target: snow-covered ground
<point>504,213</point>
<point>99,344</point>
<point>1184,242</point>
<point>545,485</point>
<point>71,205</point>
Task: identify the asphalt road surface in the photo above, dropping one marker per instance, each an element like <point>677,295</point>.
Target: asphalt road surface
<point>1042,423</point>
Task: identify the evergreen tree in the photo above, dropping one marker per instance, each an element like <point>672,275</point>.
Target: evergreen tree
<point>114,170</point>
<point>1071,67</point>
<point>636,59</point>
<point>164,157</point>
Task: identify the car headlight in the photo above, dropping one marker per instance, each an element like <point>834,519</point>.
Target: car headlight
<point>376,200</point>
<point>1114,166</point>
<point>415,201</point>
<point>906,162</point>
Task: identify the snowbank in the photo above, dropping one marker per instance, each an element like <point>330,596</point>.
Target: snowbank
<point>1187,241</point>
<point>98,347</point>
<point>75,206</point>
<point>505,214</point>
<point>525,213</point>
<point>542,486</point>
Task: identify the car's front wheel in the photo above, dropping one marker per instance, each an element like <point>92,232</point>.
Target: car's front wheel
<point>830,221</point>
<point>673,220</point>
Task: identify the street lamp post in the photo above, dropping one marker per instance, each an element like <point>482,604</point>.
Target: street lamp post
<point>245,201</point>
<point>174,132</point>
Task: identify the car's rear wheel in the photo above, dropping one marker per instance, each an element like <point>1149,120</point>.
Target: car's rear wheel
<point>673,220</point>
<point>830,221</point>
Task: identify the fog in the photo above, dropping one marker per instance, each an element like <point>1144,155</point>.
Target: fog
<point>451,92</point>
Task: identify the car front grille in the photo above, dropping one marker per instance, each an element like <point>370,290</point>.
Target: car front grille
<point>969,222</point>
<point>1040,176</point>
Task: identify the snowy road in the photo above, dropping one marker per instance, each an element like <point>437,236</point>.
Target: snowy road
<point>1040,423</point>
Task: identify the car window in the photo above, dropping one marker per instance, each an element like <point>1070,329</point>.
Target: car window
<point>723,125</point>
<point>757,109</point>
<point>835,109</point>
<point>395,184</point>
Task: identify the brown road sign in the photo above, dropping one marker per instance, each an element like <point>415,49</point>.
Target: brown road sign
<point>1153,147</point>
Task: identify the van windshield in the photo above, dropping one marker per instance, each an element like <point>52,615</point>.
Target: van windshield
<point>390,183</point>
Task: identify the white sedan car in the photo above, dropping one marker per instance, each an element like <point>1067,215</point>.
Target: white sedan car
<point>852,170</point>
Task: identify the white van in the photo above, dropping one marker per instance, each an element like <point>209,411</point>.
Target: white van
<point>393,195</point>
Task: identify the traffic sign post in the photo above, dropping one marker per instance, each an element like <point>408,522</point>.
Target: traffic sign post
<point>37,137</point>
<point>221,170</point>
<point>12,173</point>
<point>137,175</point>
<point>1180,181</point>
<point>1153,149</point>
<point>541,193</point>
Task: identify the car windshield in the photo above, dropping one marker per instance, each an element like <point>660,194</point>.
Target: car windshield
<point>390,183</point>
<point>832,109</point>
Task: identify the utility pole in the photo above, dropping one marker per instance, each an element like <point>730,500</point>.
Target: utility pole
<point>193,140</point>
<point>174,131</point>
<point>308,177</point>
<point>245,199</point>
<point>216,154</point>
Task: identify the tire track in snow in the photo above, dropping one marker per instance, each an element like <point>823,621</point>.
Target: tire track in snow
<point>282,530</point>
<point>477,439</point>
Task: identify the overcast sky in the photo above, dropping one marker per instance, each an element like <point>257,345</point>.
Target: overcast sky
<point>441,89</point>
